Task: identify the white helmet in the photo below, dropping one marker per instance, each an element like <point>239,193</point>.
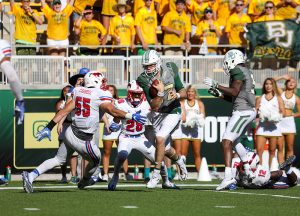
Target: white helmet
<point>94,79</point>
<point>151,57</point>
<point>297,172</point>
<point>253,160</point>
<point>231,59</point>
<point>134,90</point>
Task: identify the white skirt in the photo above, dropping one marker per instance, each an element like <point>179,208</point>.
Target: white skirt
<point>268,129</point>
<point>287,125</point>
<point>110,136</point>
<point>192,133</point>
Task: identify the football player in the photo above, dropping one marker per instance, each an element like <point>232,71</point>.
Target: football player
<point>87,101</point>
<point>165,106</point>
<point>241,93</point>
<point>14,82</point>
<point>132,134</point>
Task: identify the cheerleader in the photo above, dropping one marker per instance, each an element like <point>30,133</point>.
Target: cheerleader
<point>270,109</point>
<point>192,126</point>
<point>287,124</point>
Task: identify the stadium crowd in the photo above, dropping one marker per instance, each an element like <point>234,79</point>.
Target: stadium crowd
<point>147,23</point>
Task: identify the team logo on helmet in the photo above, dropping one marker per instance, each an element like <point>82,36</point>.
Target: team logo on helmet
<point>231,59</point>
<point>94,79</point>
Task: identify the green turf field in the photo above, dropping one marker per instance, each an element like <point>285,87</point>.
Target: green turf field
<point>132,198</point>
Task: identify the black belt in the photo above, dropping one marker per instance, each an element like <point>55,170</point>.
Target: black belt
<point>81,135</point>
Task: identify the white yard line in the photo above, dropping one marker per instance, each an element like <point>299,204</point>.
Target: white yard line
<point>258,194</point>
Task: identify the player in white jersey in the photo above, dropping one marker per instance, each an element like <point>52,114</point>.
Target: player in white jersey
<point>271,109</point>
<point>241,92</point>
<point>132,135</point>
<point>87,101</point>
<point>13,79</point>
<point>287,124</point>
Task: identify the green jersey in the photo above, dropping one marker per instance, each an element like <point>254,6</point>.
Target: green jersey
<point>246,97</point>
<point>171,80</point>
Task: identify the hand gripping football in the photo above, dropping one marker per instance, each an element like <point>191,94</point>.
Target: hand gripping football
<point>152,90</point>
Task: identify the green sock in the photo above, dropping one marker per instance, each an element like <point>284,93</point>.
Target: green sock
<point>169,170</point>
<point>146,172</point>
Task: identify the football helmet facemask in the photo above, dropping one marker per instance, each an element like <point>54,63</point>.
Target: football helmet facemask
<point>231,59</point>
<point>135,93</point>
<point>151,58</point>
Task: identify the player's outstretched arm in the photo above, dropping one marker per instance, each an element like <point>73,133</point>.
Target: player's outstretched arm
<point>233,90</point>
<point>46,131</point>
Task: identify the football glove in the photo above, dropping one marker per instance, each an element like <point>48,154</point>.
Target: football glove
<point>45,132</point>
<point>215,92</point>
<point>19,111</point>
<point>114,127</point>
<point>139,118</point>
<point>211,82</point>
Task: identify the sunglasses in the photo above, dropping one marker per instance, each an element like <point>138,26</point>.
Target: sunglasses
<point>57,3</point>
<point>239,5</point>
<point>269,7</point>
<point>87,13</point>
<point>208,11</point>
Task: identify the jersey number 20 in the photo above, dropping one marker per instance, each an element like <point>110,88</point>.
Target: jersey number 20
<point>131,124</point>
<point>82,106</point>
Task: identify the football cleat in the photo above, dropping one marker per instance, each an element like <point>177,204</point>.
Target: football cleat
<point>3,182</point>
<point>182,168</point>
<point>169,185</point>
<point>225,184</point>
<point>85,182</point>
<point>287,163</point>
<point>64,180</point>
<point>27,185</point>
<point>105,178</point>
<point>113,183</point>
<point>232,187</point>
<point>153,181</point>
<point>74,180</point>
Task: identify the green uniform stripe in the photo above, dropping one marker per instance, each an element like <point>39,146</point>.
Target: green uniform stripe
<point>239,123</point>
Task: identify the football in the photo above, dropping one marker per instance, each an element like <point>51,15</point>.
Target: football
<point>153,91</point>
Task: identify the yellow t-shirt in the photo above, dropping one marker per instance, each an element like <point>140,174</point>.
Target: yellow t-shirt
<point>235,26</point>
<point>25,25</point>
<point>173,20</point>
<point>256,6</point>
<point>222,7</point>
<point>107,7</point>
<point>287,12</point>
<point>211,36</point>
<point>79,5</point>
<point>89,32</point>
<point>197,11</point>
<point>267,18</point>
<point>147,21</point>
<point>123,28</point>
<point>58,28</point>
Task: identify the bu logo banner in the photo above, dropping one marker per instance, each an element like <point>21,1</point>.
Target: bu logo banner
<point>280,39</point>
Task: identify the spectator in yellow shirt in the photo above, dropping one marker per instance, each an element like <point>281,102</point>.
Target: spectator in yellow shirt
<point>107,12</point>
<point>235,25</point>
<point>91,32</point>
<point>269,13</point>
<point>122,28</point>
<point>25,26</point>
<point>177,28</point>
<point>223,9</point>
<point>145,25</point>
<point>58,23</point>
<point>256,8</point>
<point>208,31</point>
<point>287,9</point>
<point>139,4</point>
<point>79,6</point>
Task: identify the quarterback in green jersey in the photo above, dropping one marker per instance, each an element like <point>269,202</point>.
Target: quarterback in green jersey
<point>241,92</point>
<point>164,81</point>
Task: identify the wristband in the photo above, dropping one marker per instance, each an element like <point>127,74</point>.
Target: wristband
<point>160,94</point>
<point>51,125</point>
<point>178,95</point>
<point>128,116</point>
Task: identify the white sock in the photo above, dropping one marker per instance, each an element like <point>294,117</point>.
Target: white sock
<point>228,173</point>
<point>44,167</point>
<point>164,173</point>
<point>13,79</point>
<point>242,152</point>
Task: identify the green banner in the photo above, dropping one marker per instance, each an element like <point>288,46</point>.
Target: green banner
<point>280,39</point>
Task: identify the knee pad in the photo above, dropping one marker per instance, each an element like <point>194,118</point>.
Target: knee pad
<point>122,155</point>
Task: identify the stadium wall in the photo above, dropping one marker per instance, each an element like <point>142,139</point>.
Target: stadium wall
<point>20,150</point>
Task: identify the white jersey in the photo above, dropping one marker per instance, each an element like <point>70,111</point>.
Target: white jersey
<point>87,102</point>
<point>271,105</point>
<point>129,126</point>
<point>5,49</point>
<point>289,103</point>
